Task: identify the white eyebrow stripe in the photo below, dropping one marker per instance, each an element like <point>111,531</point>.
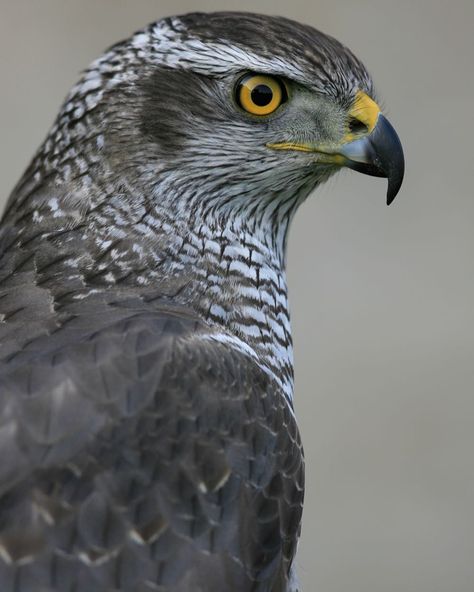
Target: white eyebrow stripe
<point>215,58</point>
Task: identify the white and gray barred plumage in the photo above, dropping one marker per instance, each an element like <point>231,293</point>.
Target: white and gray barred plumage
<point>146,367</point>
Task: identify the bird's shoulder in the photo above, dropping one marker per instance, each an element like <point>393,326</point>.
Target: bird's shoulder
<point>107,359</point>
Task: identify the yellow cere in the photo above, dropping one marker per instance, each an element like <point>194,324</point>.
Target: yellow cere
<point>273,92</point>
<point>365,110</point>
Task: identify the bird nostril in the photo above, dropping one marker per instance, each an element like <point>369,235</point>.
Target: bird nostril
<point>356,126</point>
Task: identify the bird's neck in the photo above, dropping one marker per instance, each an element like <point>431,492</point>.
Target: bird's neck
<point>231,274</point>
<point>236,279</point>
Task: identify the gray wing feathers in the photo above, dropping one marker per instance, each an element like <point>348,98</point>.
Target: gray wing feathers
<point>138,456</point>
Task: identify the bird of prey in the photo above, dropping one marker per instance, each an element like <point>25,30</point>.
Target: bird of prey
<point>147,431</point>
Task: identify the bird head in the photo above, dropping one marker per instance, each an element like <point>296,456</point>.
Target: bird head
<point>221,115</point>
<point>260,104</point>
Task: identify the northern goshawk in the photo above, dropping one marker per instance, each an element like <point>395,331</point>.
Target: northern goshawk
<point>147,430</point>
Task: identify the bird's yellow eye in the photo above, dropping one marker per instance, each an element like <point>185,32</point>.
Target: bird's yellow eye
<point>259,94</point>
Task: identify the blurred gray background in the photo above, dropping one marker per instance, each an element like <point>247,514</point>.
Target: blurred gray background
<point>382,298</point>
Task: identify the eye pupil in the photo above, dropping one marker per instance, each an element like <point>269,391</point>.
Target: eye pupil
<point>262,95</point>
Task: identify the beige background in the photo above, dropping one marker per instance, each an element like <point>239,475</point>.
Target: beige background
<point>382,298</point>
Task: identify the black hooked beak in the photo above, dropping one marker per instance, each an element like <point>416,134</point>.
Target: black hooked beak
<point>379,154</point>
